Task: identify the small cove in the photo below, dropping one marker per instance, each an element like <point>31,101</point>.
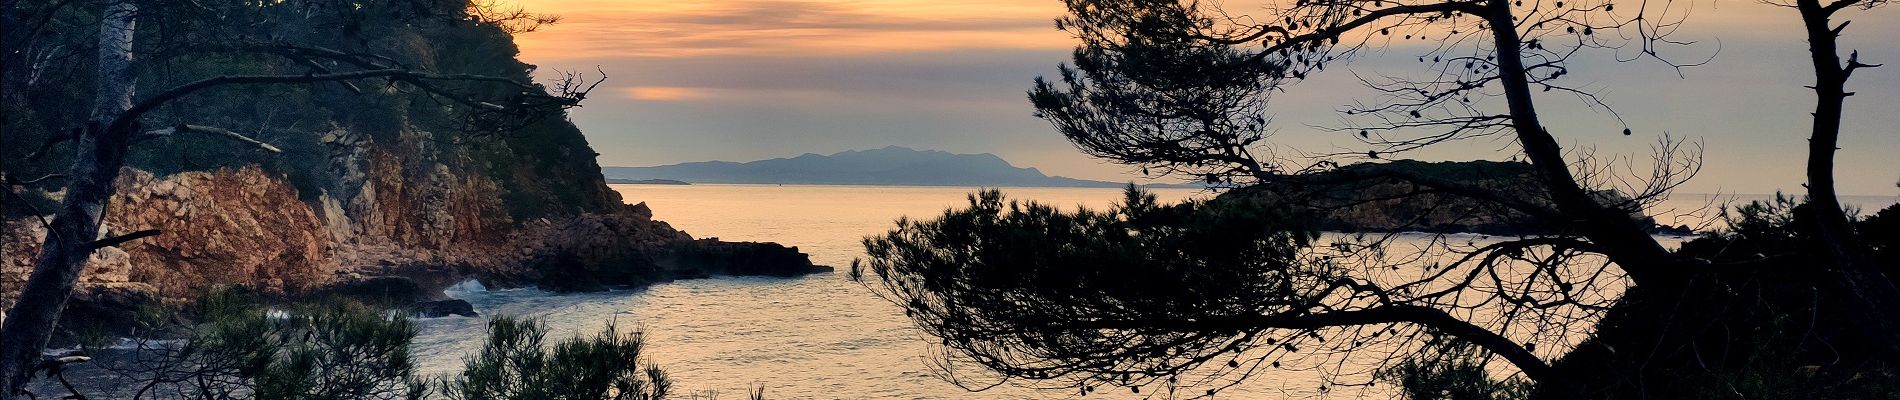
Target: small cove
<point>813,337</point>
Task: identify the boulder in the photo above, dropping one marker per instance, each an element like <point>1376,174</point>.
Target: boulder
<point>640,210</point>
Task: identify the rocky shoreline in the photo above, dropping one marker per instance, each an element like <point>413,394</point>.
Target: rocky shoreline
<point>244,227</point>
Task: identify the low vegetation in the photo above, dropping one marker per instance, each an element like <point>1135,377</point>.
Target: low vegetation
<point>339,349</point>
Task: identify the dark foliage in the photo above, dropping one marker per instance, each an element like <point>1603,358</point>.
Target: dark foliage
<point>1453,372</point>
<point>1764,339</point>
<point>516,363</point>
<point>1184,88</point>
<point>1147,91</point>
<point>425,86</point>
<point>238,348</point>
<point>1131,296</point>
<point>1200,295</point>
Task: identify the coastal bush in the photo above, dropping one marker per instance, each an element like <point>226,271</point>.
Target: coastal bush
<point>339,349</point>
<point>239,348</point>
<point>515,363</point>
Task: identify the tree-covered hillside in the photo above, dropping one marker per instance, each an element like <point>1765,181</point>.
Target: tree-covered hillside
<point>540,161</point>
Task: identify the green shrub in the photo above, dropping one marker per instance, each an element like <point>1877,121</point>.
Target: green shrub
<point>240,349</point>
<point>343,352</point>
<point>514,364</point>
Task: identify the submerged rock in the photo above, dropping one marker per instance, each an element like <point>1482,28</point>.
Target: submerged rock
<point>444,308</point>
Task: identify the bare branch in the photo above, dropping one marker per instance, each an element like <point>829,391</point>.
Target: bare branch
<point>1334,32</point>
<point>16,182</point>
<point>121,239</point>
<point>211,130</point>
<point>1436,319</point>
<point>126,119</point>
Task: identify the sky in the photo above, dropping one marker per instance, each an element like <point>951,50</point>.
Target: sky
<point>741,80</point>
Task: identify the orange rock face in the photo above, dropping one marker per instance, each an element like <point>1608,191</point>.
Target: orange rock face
<point>247,227</point>
<point>239,226</point>
<point>393,210</point>
<point>229,226</point>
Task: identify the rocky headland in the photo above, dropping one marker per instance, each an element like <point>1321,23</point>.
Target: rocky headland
<point>383,196</point>
<point>395,241</point>
<point>1363,198</point>
<point>389,210</point>
<point>892,165</point>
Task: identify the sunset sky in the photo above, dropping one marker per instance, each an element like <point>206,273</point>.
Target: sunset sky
<point>745,80</point>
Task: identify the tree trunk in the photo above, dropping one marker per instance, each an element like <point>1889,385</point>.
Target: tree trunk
<point>1627,241</point>
<point>1833,235</point>
<point>75,227</point>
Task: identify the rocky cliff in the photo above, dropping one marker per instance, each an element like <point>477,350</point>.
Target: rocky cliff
<point>220,227</point>
<point>373,192</point>
<point>416,221</point>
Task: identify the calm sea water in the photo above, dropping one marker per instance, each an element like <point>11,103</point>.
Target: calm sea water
<point>814,337</point>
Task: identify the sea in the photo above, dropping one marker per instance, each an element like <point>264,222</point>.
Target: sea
<point>824,336</point>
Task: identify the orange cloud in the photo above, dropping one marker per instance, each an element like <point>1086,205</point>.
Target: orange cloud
<point>665,93</point>
<point>766,95</point>
<point>651,28</point>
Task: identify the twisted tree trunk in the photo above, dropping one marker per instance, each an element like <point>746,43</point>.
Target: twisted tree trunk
<point>75,227</point>
<point>1625,240</point>
<point>1874,294</point>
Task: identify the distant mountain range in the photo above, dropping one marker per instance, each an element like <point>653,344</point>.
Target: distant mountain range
<point>892,165</point>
